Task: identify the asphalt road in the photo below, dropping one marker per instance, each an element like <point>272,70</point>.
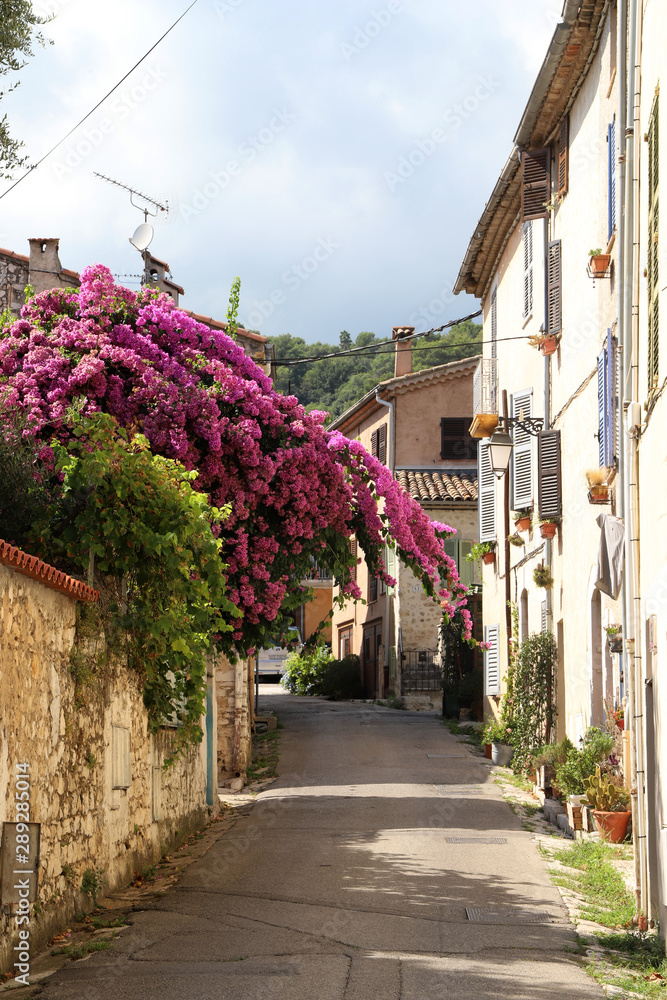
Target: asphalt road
<point>383,863</point>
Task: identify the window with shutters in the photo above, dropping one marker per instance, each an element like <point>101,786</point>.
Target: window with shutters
<point>458,549</point>
<point>492,660</point>
<point>455,440</point>
<point>607,403</point>
<point>372,589</point>
<point>652,261</point>
<point>379,444</point>
<point>611,179</point>
<point>549,489</point>
<point>563,155</point>
<point>535,183</point>
<point>121,764</point>
<point>355,556</point>
<point>522,452</point>
<point>487,495</point>
<point>554,289</point>
<point>494,322</point>
<point>527,243</point>
<point>344,640</point>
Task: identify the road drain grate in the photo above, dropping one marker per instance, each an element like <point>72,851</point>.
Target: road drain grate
<point>455,756</point>
<point>458,789</point>
<point>476,840</point>
<point>478,916</point>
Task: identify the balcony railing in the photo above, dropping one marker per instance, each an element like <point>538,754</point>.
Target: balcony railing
<point>419,672</point>
<point>317,573</point>
<point>485,398</point>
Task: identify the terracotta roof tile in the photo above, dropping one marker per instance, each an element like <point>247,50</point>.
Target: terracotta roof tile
<point>439,485</point>
<point>48,575</point>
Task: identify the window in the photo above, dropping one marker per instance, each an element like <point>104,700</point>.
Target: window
<point>607,378</point>
<point>355,556</point>
<point>535,184</point>
<point>554,293</point>
<point>379,444</point>
<point>344,641</point>
<point>458,549</point>
<point>652,261</point>
<point>487,495</point>
<point>522,453</point>
<point>549,492</point>
<point>455,440</point>
<point>121,765</point>
<point>563,155</point>
<point>527,241</point>
<point>611,179</point>
<point>492,660</point>
<point>372,589</point>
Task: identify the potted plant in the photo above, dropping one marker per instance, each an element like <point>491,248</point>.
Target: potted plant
<point>598,487</point>
<point>499,734</point>
<point>618,715</point>
<point>486,551</point>
<point>515,539</point>
<point>615,638</point>
<point>522,519</point>
<point>542,576</point>
<point>609,801</point>
<point>548,526</point>
<point>546,343</point>
<point>599,262</point>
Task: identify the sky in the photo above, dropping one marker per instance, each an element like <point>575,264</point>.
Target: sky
<point>334,156</point>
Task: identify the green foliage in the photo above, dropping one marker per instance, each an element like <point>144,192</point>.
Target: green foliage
<point>91,760</point>
<point>479,549</point>
<point>542,576</point>
<point>338,383</point>
<point>531,696</point>
<point>607,900</point>
<point>81,950</point>
<point>551,754</point>
<point>233,308</point>
<point>581,764</point>
<point>314,671</point>
<point>151,537</point>
<point>67,872</point>
<point>26,489</point>
<point>18,31</point>
<point>497,732</point>
<point>605,793</point>
<point>93,881</point>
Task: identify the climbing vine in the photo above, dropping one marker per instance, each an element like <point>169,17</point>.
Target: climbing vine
<point>530,698</point>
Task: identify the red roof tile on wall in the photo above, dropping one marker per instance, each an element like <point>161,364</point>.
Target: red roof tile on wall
<point>428,485</point>
<point>48,575</point>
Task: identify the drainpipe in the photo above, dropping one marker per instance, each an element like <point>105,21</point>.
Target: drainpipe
<point>390,463</point>
<point>632,609</point>
<point>547,395</point>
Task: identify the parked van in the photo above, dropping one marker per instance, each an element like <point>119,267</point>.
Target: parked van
<point>271,661</point>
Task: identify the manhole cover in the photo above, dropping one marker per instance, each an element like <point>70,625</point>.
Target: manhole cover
<point>479,916</point>
<point>475,840</point>
<point>457,756</point>
<point>458,789</point>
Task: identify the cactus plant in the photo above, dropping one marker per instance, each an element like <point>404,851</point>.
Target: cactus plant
<point>603,794</point>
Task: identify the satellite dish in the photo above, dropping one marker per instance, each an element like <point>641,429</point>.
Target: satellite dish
<point>143,237</point>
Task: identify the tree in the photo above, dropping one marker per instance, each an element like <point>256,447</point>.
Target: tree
<point>295,492</point>
<point>19,30</point>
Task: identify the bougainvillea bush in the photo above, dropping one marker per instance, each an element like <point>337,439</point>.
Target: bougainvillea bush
<point>295,491</point>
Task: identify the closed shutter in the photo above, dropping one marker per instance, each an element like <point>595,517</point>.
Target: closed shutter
<point>494,322</point>
<point>455,440</point>
<point>382,444</point>
<point>466,567</point>
<point>355,556</point>
<point>487,495</point>
<point>607,403</point>
<point>527,239</point>
<point>549,491</point>
<point>372,589</point>
<point>536,183</point>
<point>652,261</point>
<point>554,293</point>
<point>563,155</point>
<point>611,140</point>
<point>492,660</point>
<point>374,444</point>
<point>522,453</point>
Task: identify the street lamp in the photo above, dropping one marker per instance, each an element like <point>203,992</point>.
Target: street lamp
<point>500,443</point>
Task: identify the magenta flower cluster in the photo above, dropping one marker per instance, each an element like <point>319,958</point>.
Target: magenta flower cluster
<point>198,398</point>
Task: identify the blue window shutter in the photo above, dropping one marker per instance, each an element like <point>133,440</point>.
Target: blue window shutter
<point>607,402</point>
<point>602,408</point>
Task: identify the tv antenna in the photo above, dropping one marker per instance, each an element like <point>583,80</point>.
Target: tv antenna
<point>142,237</point>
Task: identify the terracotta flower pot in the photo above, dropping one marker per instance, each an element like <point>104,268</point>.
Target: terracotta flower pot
<point>612,825</point>
<point>489,558</point>
<point>548,530</point>
<point>501,754</point>
<point>598,494</point>
<point>600,263</point>
<point>522,523</point>
<point>549,346</point>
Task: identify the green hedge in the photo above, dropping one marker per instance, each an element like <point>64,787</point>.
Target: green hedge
<point>316,672</point>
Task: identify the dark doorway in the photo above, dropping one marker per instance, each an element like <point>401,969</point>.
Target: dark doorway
<point>371,648</point>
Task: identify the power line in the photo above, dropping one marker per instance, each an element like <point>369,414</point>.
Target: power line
<point>99,103</point>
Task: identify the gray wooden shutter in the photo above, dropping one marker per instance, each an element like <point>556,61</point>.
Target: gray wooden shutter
<point>563,155</point>
<point>554,312</point>
<point>487,496</point>
<point>549,490</point>
<point>522,453</point>
<point>536,183</point>
<point>382,444</point>
<point>374,444</point>
<point>492,660</point>
<point>527,240</point>
<point>466,568</point>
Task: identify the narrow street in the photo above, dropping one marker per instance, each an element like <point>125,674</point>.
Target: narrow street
<point>383,863</point>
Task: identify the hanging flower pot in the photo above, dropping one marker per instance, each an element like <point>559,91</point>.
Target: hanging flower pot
<point>542,576</point>
<point>488,558</point>
<point>599,264</point>
<point>612,825</point>
<point>522,523</point>
<point>549,346</point>
<point>548,529</point>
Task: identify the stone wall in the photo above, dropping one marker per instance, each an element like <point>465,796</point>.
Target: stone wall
<point>13,279</point>
<point>234,686</point>
<point>69,741</point>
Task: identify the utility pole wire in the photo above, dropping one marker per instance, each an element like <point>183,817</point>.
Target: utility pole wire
<point>99,103</point>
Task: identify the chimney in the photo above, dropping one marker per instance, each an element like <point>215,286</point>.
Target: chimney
<point>402,335</point>
<point>45,266</point>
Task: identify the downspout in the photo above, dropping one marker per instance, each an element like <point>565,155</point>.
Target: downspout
<point>632,610</point>
<point>390,462</point>
<point>547,395</point>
